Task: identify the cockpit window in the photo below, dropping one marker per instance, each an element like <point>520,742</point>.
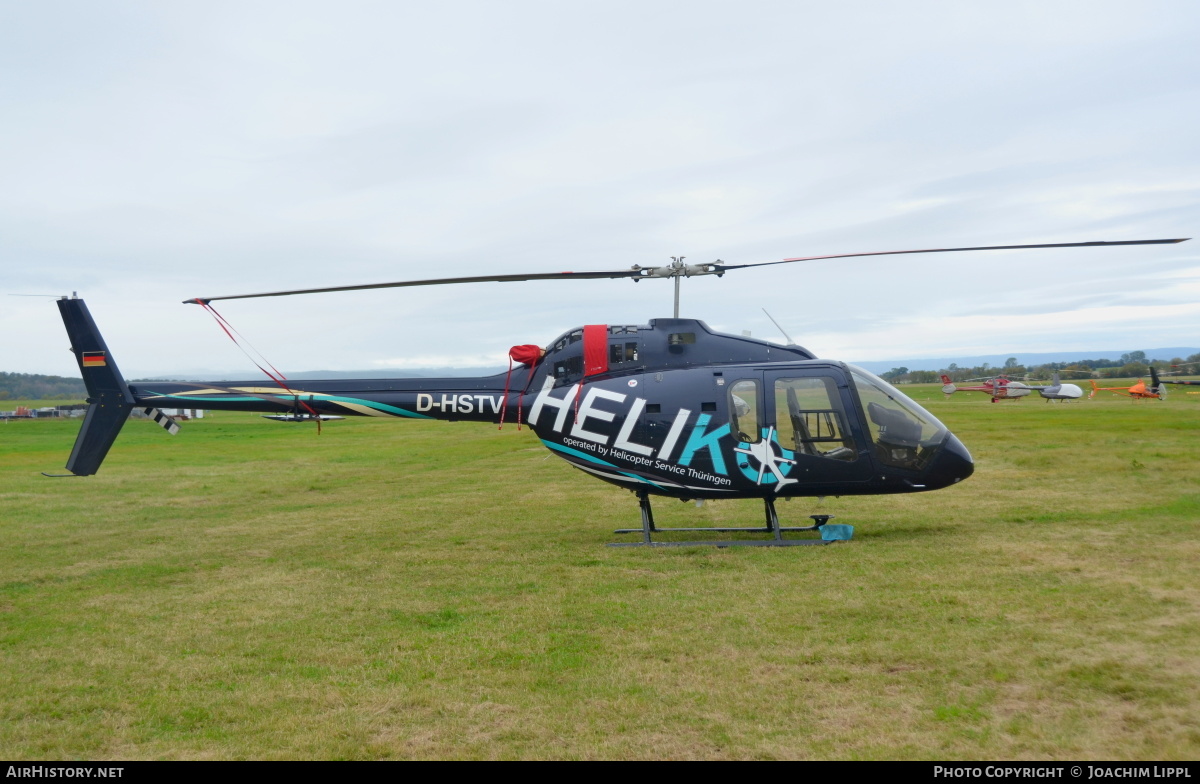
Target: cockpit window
<point>904,434</point>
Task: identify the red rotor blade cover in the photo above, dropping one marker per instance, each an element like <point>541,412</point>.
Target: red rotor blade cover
<point>595,349</point>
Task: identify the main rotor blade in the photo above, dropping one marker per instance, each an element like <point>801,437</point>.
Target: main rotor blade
<point>640,272</point>
<point>724,267</point>
<point>628,273</point>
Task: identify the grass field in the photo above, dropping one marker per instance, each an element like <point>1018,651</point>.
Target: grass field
<point>248,589</point>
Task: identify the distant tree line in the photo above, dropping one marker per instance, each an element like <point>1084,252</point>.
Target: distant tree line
<point>1132,365</point>
<point>31,386</point>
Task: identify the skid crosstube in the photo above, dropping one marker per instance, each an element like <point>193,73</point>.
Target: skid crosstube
<point>648,529</point>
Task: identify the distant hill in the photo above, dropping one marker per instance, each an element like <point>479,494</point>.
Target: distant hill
<point>318,375</point>
<point>31,386</point>
<point>1028,359</point>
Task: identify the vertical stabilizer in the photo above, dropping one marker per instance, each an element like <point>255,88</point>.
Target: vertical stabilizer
<point>109,399</point>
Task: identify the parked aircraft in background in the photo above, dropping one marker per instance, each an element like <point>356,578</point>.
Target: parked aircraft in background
<point>999,387</point>
<point>1179,369</point>
<point>1057,390</point>
<point>1138,391</point>
<point>1005,388</point>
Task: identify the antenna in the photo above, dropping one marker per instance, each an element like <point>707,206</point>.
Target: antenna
<point>790,342</point>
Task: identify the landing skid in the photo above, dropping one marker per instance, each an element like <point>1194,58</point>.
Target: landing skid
<point>648,529</point>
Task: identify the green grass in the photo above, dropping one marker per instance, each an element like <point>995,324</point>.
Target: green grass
<point>248,589</point>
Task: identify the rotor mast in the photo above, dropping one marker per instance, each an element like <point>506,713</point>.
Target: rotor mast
<point>676,260</point>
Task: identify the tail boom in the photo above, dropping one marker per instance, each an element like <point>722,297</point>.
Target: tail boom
<point>111,399</point>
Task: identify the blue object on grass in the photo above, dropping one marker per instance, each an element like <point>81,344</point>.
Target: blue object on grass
<point>836,532</point>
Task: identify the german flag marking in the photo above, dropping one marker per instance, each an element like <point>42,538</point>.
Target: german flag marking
<point>94,359</point>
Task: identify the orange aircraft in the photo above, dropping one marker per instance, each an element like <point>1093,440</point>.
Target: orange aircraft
<point>1138,391</point>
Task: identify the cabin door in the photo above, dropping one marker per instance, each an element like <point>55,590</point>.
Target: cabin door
<point>808,414</point>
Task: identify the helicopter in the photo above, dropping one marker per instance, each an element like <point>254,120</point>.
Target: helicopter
<point>1057,390</point>
<point>1175,369</point>
<point>669,408</point>
<point>998,387</point>
<point>1137,391</point>
<point>1004,388</point>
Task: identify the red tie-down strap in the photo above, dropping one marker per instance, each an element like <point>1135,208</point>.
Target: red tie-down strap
<point>273,373</point>
<point>528,355</point>
<point>595,357</point>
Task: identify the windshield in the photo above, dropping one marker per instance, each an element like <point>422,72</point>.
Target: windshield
<point>904,434</point>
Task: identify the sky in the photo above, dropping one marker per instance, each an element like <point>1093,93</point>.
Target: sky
<point>153,152</point>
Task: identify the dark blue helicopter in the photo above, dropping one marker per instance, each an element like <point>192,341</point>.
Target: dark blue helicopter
<point>670,408</point>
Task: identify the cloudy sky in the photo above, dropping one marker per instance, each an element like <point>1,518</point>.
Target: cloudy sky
<point>151,152</point>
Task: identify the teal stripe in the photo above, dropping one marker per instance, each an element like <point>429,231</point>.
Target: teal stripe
<point>203,399</point>
<point>376,406</point>
<point>584,455</point>
<point>287,399</point>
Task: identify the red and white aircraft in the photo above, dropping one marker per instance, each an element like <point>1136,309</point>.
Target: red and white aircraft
<point>1004,388</point>
<point>998,387</point>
